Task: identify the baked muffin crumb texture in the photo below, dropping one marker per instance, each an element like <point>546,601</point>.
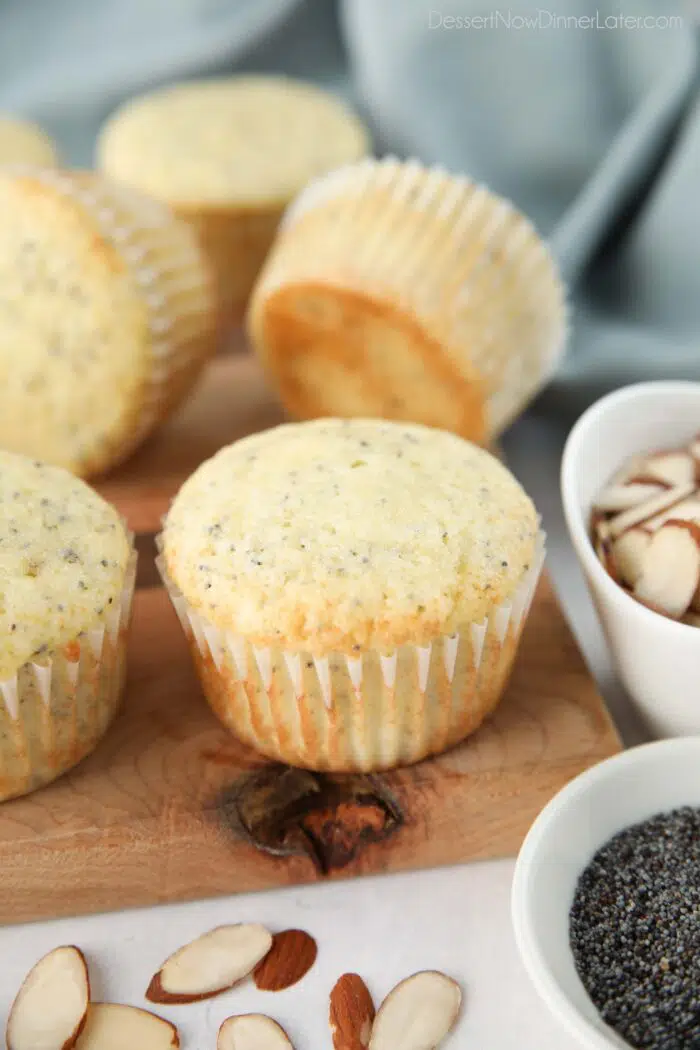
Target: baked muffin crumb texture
<point>64,554</point>
<point>106,322</point>
<point>349,535</point>
<point>216,143</point>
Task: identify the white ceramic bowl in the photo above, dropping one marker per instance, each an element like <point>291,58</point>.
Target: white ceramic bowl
<point>657,658</point>
<point>606,799</point>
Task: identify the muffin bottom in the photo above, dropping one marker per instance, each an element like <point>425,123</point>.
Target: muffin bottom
<point>45,740</point>
<point>359,714</point>
<point>336,352</point>
<point>54,711</point>
<point>360,734</point>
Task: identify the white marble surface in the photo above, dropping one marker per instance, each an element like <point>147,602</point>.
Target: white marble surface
<point>385,928</point>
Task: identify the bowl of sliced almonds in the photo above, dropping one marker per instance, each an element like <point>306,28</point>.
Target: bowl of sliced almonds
<point>631,492</point>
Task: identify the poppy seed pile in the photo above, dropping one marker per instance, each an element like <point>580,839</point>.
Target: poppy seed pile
<point>635,932</point>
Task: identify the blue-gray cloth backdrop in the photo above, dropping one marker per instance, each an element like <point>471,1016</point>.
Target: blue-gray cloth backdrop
<point>583,112</point>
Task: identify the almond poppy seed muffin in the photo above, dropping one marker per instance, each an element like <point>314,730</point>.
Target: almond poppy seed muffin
<point>404,292</point>
<point>228,154</point>
<point>23,142</point>
<point>353,590</point>
<point>106,317</point>
<point>66,579</point>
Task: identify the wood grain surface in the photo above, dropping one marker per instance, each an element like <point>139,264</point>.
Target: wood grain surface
<point>171,807</point>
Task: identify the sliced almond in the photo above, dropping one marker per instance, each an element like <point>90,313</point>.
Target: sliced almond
<point>686,510</point>
<point>252,1032</point>
<point>111,1026</point>
<point>627,553</point>
<point>211,964</point>
<point>290,958</point>
<point>671,569</point>
<point>417,1014</point>
<point>351,1013</point>
<point>649,479</point>
<point>621,497</point>
<point>640,514</point>
<point>51,1006</point>
<point>676,467</point>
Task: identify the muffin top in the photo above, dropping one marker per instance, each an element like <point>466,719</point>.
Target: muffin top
<point>63,556</point>
<point>75,325</point>
<point>22,142</point>
<point>346,535</point>
<point>241,141</point>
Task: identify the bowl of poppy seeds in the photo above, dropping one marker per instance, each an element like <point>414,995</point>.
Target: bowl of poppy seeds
<point>606,901</point>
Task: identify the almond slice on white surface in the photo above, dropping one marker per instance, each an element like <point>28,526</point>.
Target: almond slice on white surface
<point>252,1032</point>
<point>290,958</point>
<point>351,1013</point>
<point>111,1026</point>
<point>627,554</point>
<point>640,514</point>
<point>671,569</point>
<point>675,468</point>
<point>417,1014</point>
<point>51,1006</point>
<point>211,964</point>
<point>622,497</point>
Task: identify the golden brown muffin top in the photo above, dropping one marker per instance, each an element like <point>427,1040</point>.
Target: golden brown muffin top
<point>241,141</point>
<point>349,535</point>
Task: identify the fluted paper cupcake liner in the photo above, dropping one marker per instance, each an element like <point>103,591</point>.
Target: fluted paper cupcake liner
<point>358,713</point>
<point>55,708</point>
<point>163,257</point>
<point>460,262</point>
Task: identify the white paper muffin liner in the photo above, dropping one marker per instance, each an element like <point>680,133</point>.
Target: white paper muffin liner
<point>358,713</point>
<point>164,258</point>
<point>56,708</point>
<point>463,262</point>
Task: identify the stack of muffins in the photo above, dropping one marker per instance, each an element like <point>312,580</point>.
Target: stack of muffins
<point>353,587</point>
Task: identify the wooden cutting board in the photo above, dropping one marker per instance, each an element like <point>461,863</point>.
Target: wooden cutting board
<point>171,807</point>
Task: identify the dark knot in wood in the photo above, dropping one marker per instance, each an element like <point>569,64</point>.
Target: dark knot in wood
<point>328,818</point>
